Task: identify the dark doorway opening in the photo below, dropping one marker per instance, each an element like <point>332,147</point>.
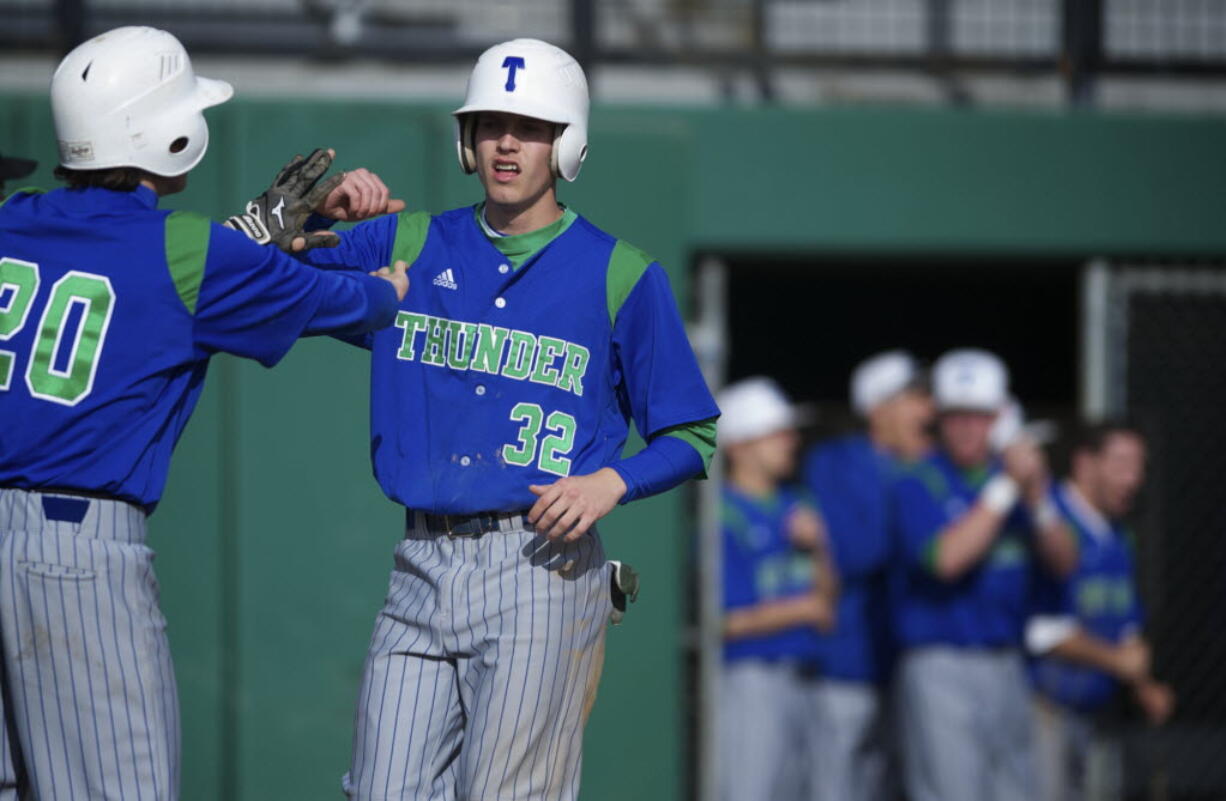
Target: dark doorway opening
<point>807,323</point>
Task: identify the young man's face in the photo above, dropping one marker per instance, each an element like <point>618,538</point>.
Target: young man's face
<point>965,434</point>
<point>1114,474</point>
<point>772,455</point>
<point>513,157</point>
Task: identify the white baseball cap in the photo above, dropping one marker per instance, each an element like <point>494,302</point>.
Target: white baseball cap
<point>752,408</point>
<point>970,379</point>
<point>881,377</point>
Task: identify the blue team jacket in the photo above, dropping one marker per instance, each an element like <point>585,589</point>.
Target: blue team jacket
<point>112,310</point>
<point>761,565</point>
<point>985,608</point>
<point>851,479</point>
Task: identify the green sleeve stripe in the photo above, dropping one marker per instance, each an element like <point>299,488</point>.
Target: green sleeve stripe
<point>25,190</point>
<point>187,247</point>
<point>700,436</point>
<point>411,231</point>
<point>931,551</point>
<point>626,266</point>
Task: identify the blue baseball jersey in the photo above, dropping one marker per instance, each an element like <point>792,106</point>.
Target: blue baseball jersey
<point>761,565</point>
<point>1101,595</point>
<point>495,377</point>
<point>851,480</point>
<point>987,606</point>
<point>109,311</point>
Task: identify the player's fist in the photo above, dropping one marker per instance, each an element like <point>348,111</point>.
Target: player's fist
<point>360,195</point>
<point>1025,462</point>
<point>567,508</point>
<point>397,276</point>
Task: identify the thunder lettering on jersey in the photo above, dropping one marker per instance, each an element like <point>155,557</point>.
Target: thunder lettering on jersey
<point>761,565</point>
<point>1100,595</point>
<point>988,605</point>
<point>519,355</point>
<point>109,311</point>
<point>496,376</point>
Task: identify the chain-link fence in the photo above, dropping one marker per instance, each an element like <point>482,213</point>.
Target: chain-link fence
<point>1164,351</point>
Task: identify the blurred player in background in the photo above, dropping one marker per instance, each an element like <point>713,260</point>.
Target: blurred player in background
<point>1092,639</point>
<point>778,592</point>
<point>851,479</point>
<point>970,529</point>
<point>112,309</point>
<point>13,168</point>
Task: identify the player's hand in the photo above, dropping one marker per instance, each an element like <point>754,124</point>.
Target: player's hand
<point>359,196</point>
<point>1157,700</point>
<point>280,214</point>
<point>567,508</point>
<point>805,529</point>
<point>1025,462</point>
<point>397,276</point>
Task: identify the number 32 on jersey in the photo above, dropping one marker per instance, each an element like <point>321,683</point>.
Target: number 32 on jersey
<point>559,439</point>
<point>71,330</point>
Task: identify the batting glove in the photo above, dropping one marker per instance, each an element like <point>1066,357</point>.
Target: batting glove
<point>280,214</point>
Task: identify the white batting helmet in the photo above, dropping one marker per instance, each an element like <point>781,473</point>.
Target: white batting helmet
<point>533,79</point>
<point>969,379</point>
<point>754,407</point>
<point>129,98</point>
<point>881,377</point>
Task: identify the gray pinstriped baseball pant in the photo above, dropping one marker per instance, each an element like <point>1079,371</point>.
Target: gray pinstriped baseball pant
<point>482,669</point>
<point>89,699</point>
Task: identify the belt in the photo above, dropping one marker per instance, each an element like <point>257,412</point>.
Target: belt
<point>473,525</point>
<point>71,514</point>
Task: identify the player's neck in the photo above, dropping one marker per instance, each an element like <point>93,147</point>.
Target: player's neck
<point>164,186</point>
<point>513,219</point>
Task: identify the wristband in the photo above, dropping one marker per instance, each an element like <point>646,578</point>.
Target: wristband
<point>999,494</point>
<point>250,225</point>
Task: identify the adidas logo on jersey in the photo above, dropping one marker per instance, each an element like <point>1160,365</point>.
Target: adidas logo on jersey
<point>446,279</point>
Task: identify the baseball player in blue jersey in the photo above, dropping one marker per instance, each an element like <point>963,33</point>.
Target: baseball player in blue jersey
<point>109,312</point>
<point>779,590</point>
<point>971,530</point>
<point>500,405</point>
<point>851,479</point>
<point>1091,637</point>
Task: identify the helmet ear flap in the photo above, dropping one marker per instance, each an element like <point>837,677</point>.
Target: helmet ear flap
<point>468,143</point>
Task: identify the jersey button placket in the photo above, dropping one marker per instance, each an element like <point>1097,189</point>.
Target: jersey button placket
<point>500,302</point>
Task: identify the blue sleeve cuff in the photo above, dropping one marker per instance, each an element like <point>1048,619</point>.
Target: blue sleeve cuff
<point>318,222</point>
<point>662,465</point>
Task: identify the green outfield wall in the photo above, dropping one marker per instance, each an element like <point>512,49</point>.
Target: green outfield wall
<point>274,542</point>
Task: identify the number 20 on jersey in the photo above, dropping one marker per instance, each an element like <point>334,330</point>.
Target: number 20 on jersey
<point>70,333</point>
